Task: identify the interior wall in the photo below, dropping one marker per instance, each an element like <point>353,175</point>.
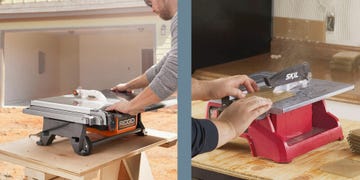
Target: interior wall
<point>346,12</point>
<point>22,79</point>
<point>69,76</point>
<point>109,58</point>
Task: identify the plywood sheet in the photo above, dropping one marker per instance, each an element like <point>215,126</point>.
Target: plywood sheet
<point>344,167</point>
<point>60,157</point>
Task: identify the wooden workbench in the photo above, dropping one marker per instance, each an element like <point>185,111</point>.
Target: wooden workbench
<point>235,160</point>
<point>123,158</point>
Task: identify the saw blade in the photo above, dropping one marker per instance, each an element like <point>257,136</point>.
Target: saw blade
<point>289,75</point>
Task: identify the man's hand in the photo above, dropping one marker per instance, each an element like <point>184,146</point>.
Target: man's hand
<point>136,105</point>
<point>122,87</point>
<point>236,118</point>
<point>139,82</point>
<point>124,107</point>
<point>229,86</point>
<point>219,88</point>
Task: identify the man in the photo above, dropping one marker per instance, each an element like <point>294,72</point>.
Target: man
<point>160,81</point>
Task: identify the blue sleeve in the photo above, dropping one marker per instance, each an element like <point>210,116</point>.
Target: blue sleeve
<point>205,136</point>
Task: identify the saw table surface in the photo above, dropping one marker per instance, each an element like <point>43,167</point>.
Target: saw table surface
<point>60,160</point>
<point>75,104</point>
<point>234,159</point>
<point>317,90</point>
<point>71,103</point>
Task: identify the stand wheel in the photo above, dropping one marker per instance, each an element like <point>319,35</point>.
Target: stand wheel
<point>86,147</point>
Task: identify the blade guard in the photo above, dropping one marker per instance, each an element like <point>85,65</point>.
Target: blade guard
<point>89,94</point>
<point>292,74</point>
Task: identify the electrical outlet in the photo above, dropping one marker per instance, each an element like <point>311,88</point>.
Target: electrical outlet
<point>330,22</point>
<point>41,60</point>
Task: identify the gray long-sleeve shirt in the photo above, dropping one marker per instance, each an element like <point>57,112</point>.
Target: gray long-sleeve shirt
<point>163,75</point>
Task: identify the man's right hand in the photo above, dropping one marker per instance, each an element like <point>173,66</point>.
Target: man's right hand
<point>122,87</point>
<point>219,88</point>
<point>229,86</point>
<point>237,117</point>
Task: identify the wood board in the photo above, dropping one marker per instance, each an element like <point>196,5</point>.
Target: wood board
<point>60,159</point>
<point>301,29</point>
<point>235,157</point>
<point>267,93</point>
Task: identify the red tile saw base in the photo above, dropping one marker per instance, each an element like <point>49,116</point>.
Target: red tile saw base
<point>282,137</point>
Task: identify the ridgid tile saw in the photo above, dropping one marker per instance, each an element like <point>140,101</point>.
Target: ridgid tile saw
<point>77,115</point>
<point>295,124</point>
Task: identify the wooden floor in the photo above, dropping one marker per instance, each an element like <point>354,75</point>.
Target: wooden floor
<point>15,125</point>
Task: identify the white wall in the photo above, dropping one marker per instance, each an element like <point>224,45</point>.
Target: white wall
<point>68,63</point>
<point>109,58</point>
<point>343,110</point>
<point>346,13</point>
<point>22,80</point>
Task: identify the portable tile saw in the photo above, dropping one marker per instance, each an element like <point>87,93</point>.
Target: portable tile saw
<point>296,124</point>
<point>77,115</point>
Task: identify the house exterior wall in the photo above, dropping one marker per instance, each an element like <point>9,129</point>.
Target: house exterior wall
<point>109,58</point>
<point>161,41</point>
<point>68,63</point>
<point>23,81</point>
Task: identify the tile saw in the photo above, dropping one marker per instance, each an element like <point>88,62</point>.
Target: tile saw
<point>79,115</point>
<point>296,123</point>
